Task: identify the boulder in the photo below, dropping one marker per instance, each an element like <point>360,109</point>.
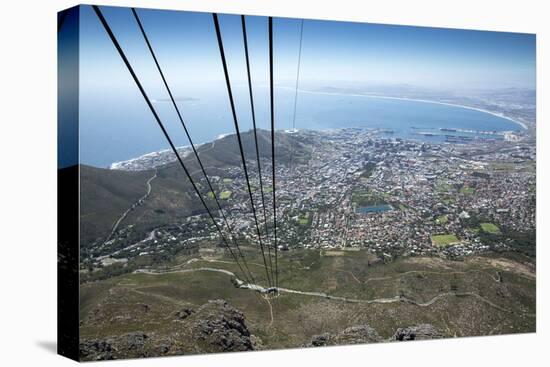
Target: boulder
<point>221,328</point>
<point>184,313</point>
<point>360,334</point>
<point>418,332</point>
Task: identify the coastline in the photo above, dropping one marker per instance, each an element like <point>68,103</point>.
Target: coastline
<point>496,114</point>
<point>185,151</point>
<point>120,164</point>
<point>151,155</point>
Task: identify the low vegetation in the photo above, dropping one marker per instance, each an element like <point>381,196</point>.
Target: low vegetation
<point>489,228</point>
<point>224,195</point>
<point>444,239</point>
<point>136,302</point>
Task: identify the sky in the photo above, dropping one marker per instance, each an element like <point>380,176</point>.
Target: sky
<point>112,114</point>
<point>333,53</point>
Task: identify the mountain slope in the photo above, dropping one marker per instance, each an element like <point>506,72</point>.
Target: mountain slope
<point>107,194</point>
<point>104,196</point>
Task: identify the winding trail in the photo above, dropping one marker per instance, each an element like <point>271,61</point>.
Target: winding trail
<point>161,272</point>
<point>350,273</point>
<point>398,276</point>
<point>134,205</point>
<point>396,299</point>
<point>431,272</point>
<point>270,310</point>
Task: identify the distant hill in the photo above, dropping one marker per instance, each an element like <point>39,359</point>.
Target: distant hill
<point>106,194</point>
<point>225,152</point>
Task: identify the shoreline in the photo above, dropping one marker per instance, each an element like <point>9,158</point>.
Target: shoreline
<point>118,164</point>
<point>496,114</point>
<point>186,148</point>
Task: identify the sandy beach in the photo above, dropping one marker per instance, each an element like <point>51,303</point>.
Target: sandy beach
<point>521,124</point>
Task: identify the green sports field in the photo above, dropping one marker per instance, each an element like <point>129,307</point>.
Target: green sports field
<point>444,239</point>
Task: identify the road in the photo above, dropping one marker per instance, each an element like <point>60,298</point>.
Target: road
<point>134,205</point>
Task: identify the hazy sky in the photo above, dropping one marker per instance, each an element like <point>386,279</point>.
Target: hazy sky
<point>113,115</point>
<point>333,53</point>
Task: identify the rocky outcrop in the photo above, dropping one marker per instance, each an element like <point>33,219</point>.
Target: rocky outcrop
<point>113,348</point>
<point>184,313</point>
<point>363,334</point>
<point>221,328</point>
<point>360,334</point>
<point>96,350</point>
<point>214,327</point>
<point>418,332</point>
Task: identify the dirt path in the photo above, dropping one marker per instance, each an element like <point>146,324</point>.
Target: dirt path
<point>139,201</point>
<point>396,299</point>
<point>483,271</point>
<point>270,310</point>
<point>161,272</point>
<point>350,273</point>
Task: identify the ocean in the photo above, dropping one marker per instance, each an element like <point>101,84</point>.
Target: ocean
<point>116,132</point>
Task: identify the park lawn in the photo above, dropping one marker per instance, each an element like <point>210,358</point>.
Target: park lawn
<point>447,200</point>
<point>442,186</point>
<point>490,228</point>
<point>467,190</point>
<point>210,195</point>
<point>474,230</point>
<point>442,240</point>
<point>227,180</point>
<point>224,195</point>
<point>368,198</point>
<point>303,220</point>
<point>442,219</point>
